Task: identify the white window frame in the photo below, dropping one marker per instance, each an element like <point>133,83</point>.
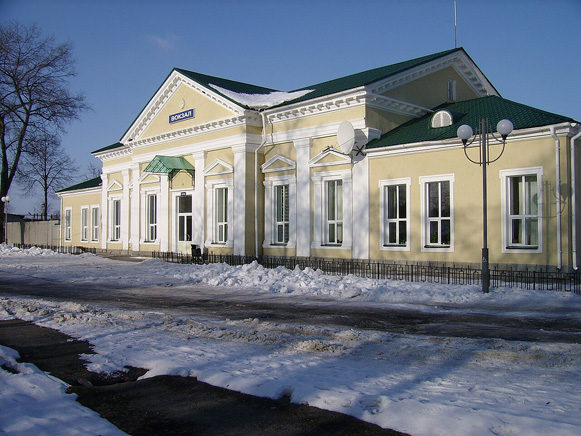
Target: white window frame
<point>384,220</point>
<point>335,219</point>
<point>115,220</point>
<point>505,176</point>
<point>424,183</point>
<point>221,210</point>
<point>95,227</point>
<point>68,224</point>
<point>270,211</point>
<point>213,226</point>
<point>85,223</point>
<point>320,231</point>
<point>147,225</point>
<point>451,90</point>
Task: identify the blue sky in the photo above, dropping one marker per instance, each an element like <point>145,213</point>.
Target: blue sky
<point>529,49</point>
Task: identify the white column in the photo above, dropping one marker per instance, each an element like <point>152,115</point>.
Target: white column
<point>239,200</point>
<point>135,204</point>
<point>125,211</point>
<point>163,215</point>
<point>303,207</point>
<point>198,199</point>
<point>104,211</point>
<point>348,210</point>
<point>361,208</point>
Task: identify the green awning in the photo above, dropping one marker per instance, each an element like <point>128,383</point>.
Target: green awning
<point>168,164</point>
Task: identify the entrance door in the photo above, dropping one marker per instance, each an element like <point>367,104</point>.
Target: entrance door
<point>184,226</point>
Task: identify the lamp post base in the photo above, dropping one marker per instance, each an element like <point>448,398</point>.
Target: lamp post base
<point>485,271</point>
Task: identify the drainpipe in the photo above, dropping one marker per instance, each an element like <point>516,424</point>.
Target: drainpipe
<point>558,195</point>
<point>263,143</point>
<point>574,202</point>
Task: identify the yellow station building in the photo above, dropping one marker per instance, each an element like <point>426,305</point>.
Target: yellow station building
<point>367,166</point>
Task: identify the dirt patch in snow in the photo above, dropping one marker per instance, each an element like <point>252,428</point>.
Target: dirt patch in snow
<point>167,405</point>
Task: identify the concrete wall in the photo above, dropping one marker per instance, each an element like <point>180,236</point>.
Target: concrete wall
<point>34,232</point>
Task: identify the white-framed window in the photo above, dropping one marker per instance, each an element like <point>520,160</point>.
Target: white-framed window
<point>220,213</point>
<point>184,208</point>
<point>451,90</point>
<point>280,211</point>
<point>522,210</point>
<point>332,209</point>
<point>84,224</point>
<point>115,220</point>
<point>95,227</point>
<point>437,212</point>
<point>281,207</point>
<point>334,212</point>
<point>150,217</point>
<point>395,214</point>
<point>68,224</point>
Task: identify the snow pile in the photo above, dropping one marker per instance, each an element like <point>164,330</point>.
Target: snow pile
<point>260,101</point>
<point>9,250</point>
<point>416,384</point>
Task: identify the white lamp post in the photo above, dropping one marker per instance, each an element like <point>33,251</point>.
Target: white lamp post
<point>6,200</point>
<point>465,132</point>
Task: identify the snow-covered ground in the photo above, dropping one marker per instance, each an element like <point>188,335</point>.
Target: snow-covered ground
<point>415,384</point>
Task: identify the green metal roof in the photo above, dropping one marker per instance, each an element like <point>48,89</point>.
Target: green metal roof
<point>319,90</point>
<point>365,78</point>
<point>168,164</point>
<point>92,183</point>
<point>468,112</point>
<point>238,87</point>
<point>109,147</point>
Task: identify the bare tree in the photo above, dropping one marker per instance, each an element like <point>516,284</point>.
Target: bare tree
<point>47,166</point>
<point>34,95</point>
<point>93,169</point>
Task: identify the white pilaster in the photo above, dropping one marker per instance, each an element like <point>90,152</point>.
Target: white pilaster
<point>135,203</point>
<point>303,207</point>
<point>239,215</point>
<point>198,203</point>
<point>104,211</point>
<point>163,215</point>
<point>125,211</point>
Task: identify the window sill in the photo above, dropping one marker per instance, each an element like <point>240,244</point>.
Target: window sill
<point>331,247</point>
<point>437,248</point>
<point>395,247</point>
<point>522,247</point>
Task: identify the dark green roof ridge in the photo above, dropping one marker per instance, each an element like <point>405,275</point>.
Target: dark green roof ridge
<point>109,147</point>
<point>91,183</point>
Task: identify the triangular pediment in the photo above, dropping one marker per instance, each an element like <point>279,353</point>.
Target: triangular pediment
<point>180,103</point>
<point>278,163</point>
<point>114,186</point>
<point>149,178</point>
<point>329,157</point>
<point>218,167</point>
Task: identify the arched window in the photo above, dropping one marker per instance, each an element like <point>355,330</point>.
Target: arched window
<point>441,119</point>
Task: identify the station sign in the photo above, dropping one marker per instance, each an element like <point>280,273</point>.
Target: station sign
<point>180,116</point>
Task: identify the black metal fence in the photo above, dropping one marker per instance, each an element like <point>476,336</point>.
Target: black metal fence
<point>534,279</point>
<point>66,249</point>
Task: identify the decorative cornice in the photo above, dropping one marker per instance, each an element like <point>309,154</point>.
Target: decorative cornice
<point>340,101</point>
<point>113,154</point>
<point>400,107</point>
<point>249,118</point>
<point>461,63</point>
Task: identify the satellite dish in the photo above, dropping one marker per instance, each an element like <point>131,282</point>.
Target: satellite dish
<point>346,137</point>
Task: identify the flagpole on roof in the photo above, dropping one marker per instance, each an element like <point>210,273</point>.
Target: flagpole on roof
<point>455,27</point>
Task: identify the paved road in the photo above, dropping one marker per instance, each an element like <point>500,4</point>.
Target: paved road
<point>535,325</point>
